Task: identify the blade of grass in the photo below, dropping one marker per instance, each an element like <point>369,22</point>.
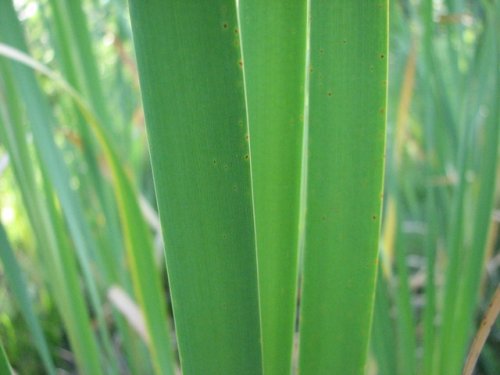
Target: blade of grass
<point>406,343</point>
<point>192,84</point>
<point>4,362</point>
<point>429,329</point>
<point>484,196</point>
<point>432,236</point>
<point>120,299</point>
<point>137,238</point>
<point>348,82</point>
<point>19,288</point>
<point>274,43</point>
<point>41,119</point>
<point>384,333</point>
<point>481,336</point>
<point>77,61</point>
<point>465,262</point>
<point>61,271</point>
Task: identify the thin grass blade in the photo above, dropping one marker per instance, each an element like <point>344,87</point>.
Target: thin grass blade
<point>4,362</point>
<point>59,263</point>
<point>19,288</point>
<point>41,119</point>
<point>138,242</point>
<point>274,50</point>
<point>485,77</point>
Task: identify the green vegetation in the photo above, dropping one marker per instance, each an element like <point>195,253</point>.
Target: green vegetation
<point>262,143</point>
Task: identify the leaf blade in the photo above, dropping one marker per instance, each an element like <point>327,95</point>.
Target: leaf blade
<point>346,134</point>
<point>192,85</point>
<point>274,49</point>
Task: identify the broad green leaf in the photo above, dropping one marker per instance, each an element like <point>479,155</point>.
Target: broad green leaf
<point>191,76</point>
<point>274,50</point>
<point>347,106</point>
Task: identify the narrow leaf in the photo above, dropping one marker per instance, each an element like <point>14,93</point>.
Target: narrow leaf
<point>19,289</point>
<point>191,77</point>
<point>274,50</point>
<point>4,362</point>
<point>348,78</point>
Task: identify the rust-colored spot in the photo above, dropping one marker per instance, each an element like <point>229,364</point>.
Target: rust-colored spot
<point>240,63</point>
<point>374,217</point>
<point>225,26</point>
<point>236,31</point>
<point>247,157</point>
<point>382,56</point>
<point>329,93</point>
<point>381,111</point>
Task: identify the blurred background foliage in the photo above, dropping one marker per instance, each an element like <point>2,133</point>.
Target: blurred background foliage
<point>440,260</point>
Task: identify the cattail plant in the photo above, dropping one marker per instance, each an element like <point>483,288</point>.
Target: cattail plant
<point>196,187</point>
